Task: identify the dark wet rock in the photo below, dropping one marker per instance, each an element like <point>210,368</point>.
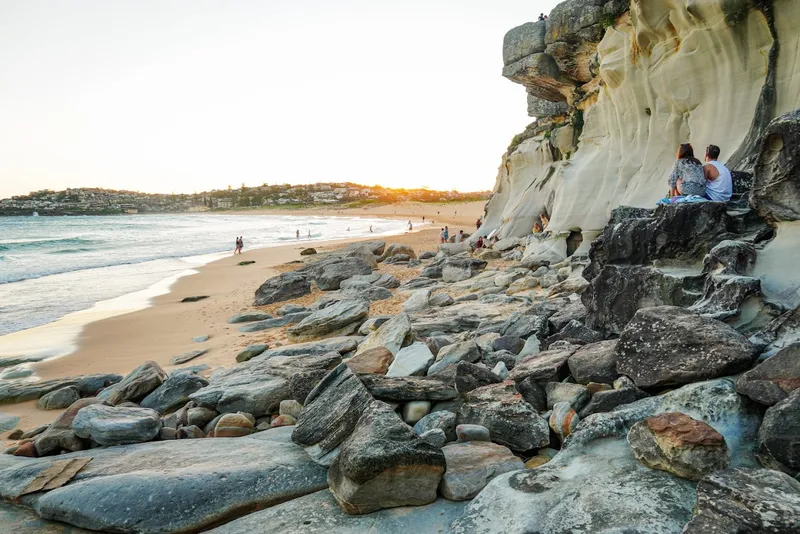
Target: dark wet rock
<point>510,419</point>
<point>471,465</point>
<point>575,333</point>
<point>397,259</point>
<point>547,366</point>
<point>574,311</point>
<point>329,274</point>
<point>58,399</point>
<point>432,271</point>
<point>339,319</point>
<point>249,317</point>
<point>512,344</point>
<point>779,436</point>
<point>174,392</point>
<point>776,188</point>
<point>596,482</point>
<point>116,490</point>
<point>308,252</point>
<point>595,362</point>
<point>409,388</point>
<point>575,395</point>
<point>330,414</point>
<point>194,298</point>
<point>774,379</point>
<point>730,258</point>
<point>251,351</point>
<point>383,464</point>
<point>533,394</point>
<point>15,391</point>
<point>456,269</point>
<point>286,309</point>
<point>668,345</point>
<point>746,500</point>
<point>60,435</point>
<point>676,443</point>
<point>442,420</point>
<point>285,286</point>
<point>606,401</point>
<point>116,425</point>
<point>136,385</point>
<point>437,342</point>
<point>509,359</point>
<point>724,296</point>
<point>470,376</point>
<point>187,356</point>
<point>369,292</point>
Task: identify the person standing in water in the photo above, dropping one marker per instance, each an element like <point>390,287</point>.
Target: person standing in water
<point>370,228</point>
<point>298,234</point>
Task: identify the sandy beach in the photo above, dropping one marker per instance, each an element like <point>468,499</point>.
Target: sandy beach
<point>166,328</point>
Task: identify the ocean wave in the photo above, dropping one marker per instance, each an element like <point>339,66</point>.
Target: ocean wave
<point>71,250</point>
<point>28,244</point>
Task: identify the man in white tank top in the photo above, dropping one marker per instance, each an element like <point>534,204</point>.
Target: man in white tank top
<point>719,182</point>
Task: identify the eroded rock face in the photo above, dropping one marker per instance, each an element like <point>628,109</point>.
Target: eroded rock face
<point>774,379</point>
<point>678,444</point>
<point>471,465</point>
<point>779,435</point>
<point>746,500</point>
<point>383,464</point>
<point>776,188</point>
<point>510,419</point>
<point>668,345</point>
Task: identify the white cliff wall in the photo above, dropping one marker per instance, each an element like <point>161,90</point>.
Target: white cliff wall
<point>667,72</point>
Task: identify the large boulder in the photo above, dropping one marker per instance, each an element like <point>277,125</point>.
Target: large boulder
<point>116,425</point>
<point>339,319</point>
<point>676,443</point>
<point>395,249</point>
<point>606,401</point>
<point>392,335</point>
<point>776,187</point>
<point>330,414</point>
<point>595,484</point>
<point>174,391</point>
<point>328,275</point>
<point>372,361</point>
<point>774,379</point>
<point>58,399</point>
<point>124,489</point>
<point>417,301</point>
<point>12,391</point>
<point>136,385</point>
<point>60,436</point>
<point>744,501</point>
<point>470,376</point>
<point>285,286</point>
<point>548,366</point>
<point>595,362</point>
<point>667,345</point>
<point>456,269</point>
<point>779,436</point>
<point>510,419</point>
<point>383,464</point>
<point>523,41</point>
<point>471,465</point>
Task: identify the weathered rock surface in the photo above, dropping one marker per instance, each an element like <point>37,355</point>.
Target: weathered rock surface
<point>471,465</point>
<point>275,322</point>
<point>14,391</point>
<point>174,391</point>
<point>676,443</point>
<point>187,356</point>
<point>58,399</point>
<point>418,301</point>
<point>776,188</point>
<point>548,366</point>
<point>341,318</point>
<point>116,425</point>
<point>746,500</point>
<point>470,376</point>
<point>575,395</point>
<point>456,269</point>
<point>136,385</point>
<point>371,361</point>
<point>563,420</point>
<point>342,345</point>
<point>779,436</point>
<point>251,351</point>
<point>391,335</point>
<point>774,379</point>
<point>510,419</point>
<point>383,464</point>
<point>330,414</point>
<point>413,360</point>
<point>605,401</point>
<point>595,362</point>
<point>60,435</point>
<point>319,513</point>
<point>409,388</point>
<point>285,286</point>
<point>393,249</point>
<point>116,490</point>
<point>442,420</point>
<point>233,425</point>
<point>466,351</point>
<point>667,345</point>
<point>249,317</point>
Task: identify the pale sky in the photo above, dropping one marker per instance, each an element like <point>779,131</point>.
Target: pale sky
<point>183,96</point>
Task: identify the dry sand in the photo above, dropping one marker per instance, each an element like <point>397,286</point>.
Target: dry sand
<point>166,328</point>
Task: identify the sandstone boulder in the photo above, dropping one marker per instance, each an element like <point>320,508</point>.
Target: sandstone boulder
<point>471,465</point>
<point>774,379</point>
<point>371,361</point>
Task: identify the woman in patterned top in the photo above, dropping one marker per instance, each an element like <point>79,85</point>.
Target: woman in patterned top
<point>687,176</point>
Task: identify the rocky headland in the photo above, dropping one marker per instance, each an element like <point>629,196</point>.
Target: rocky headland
<point>632,369</point>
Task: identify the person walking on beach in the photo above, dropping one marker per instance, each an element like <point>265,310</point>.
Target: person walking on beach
<point>298,234</point>
<point>309,234</point>
<point>238,248</point>
<point>241,244</point>
<point>446,234</point>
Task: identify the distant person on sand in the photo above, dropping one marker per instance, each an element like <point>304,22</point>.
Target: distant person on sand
<point>478,224</point>
<point>238,248</point>
<point>719,182</point>
<point>423,218</point>
<point>687,176</point>
<point>441,236</point>
<point>460,236</point>
<point>446,234</point>
<point>370,228</point>
<point>309,234</point>
<point>410,226</point>
<point>298,234</point>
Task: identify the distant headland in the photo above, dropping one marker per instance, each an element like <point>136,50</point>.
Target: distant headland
<point>97,201</point>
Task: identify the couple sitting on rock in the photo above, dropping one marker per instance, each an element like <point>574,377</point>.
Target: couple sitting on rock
<point>690,178</point>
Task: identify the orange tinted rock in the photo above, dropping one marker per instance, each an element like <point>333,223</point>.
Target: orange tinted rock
<point>372,361</point>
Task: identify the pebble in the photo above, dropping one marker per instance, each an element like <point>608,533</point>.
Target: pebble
<point>415,410</point>
<point>468,432</point>
<point>283,420</point>
<point>290,407</point>
<point>233,425</point>
<point>435,437</point>
<point>501,370</point>
<point>563,419</point>
<point>190,432</point>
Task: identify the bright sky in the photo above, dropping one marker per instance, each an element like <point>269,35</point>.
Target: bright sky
<point>184,96</point>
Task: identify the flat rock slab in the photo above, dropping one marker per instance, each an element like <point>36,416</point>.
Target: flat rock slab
<point>126,488</point>
<point>318,513</point>
<point>409,388</point>
<point>116,425</point>
<point>275,322</point>
<point>342,318</point>
<point>23,521</point>
<point>341,345</point>
<point>187,356</point>
<point>12,392</point>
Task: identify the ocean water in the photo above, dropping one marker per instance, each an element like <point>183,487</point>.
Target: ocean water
<point>53,266</point>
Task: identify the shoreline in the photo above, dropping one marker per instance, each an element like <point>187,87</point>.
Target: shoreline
<point>165,327</point>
